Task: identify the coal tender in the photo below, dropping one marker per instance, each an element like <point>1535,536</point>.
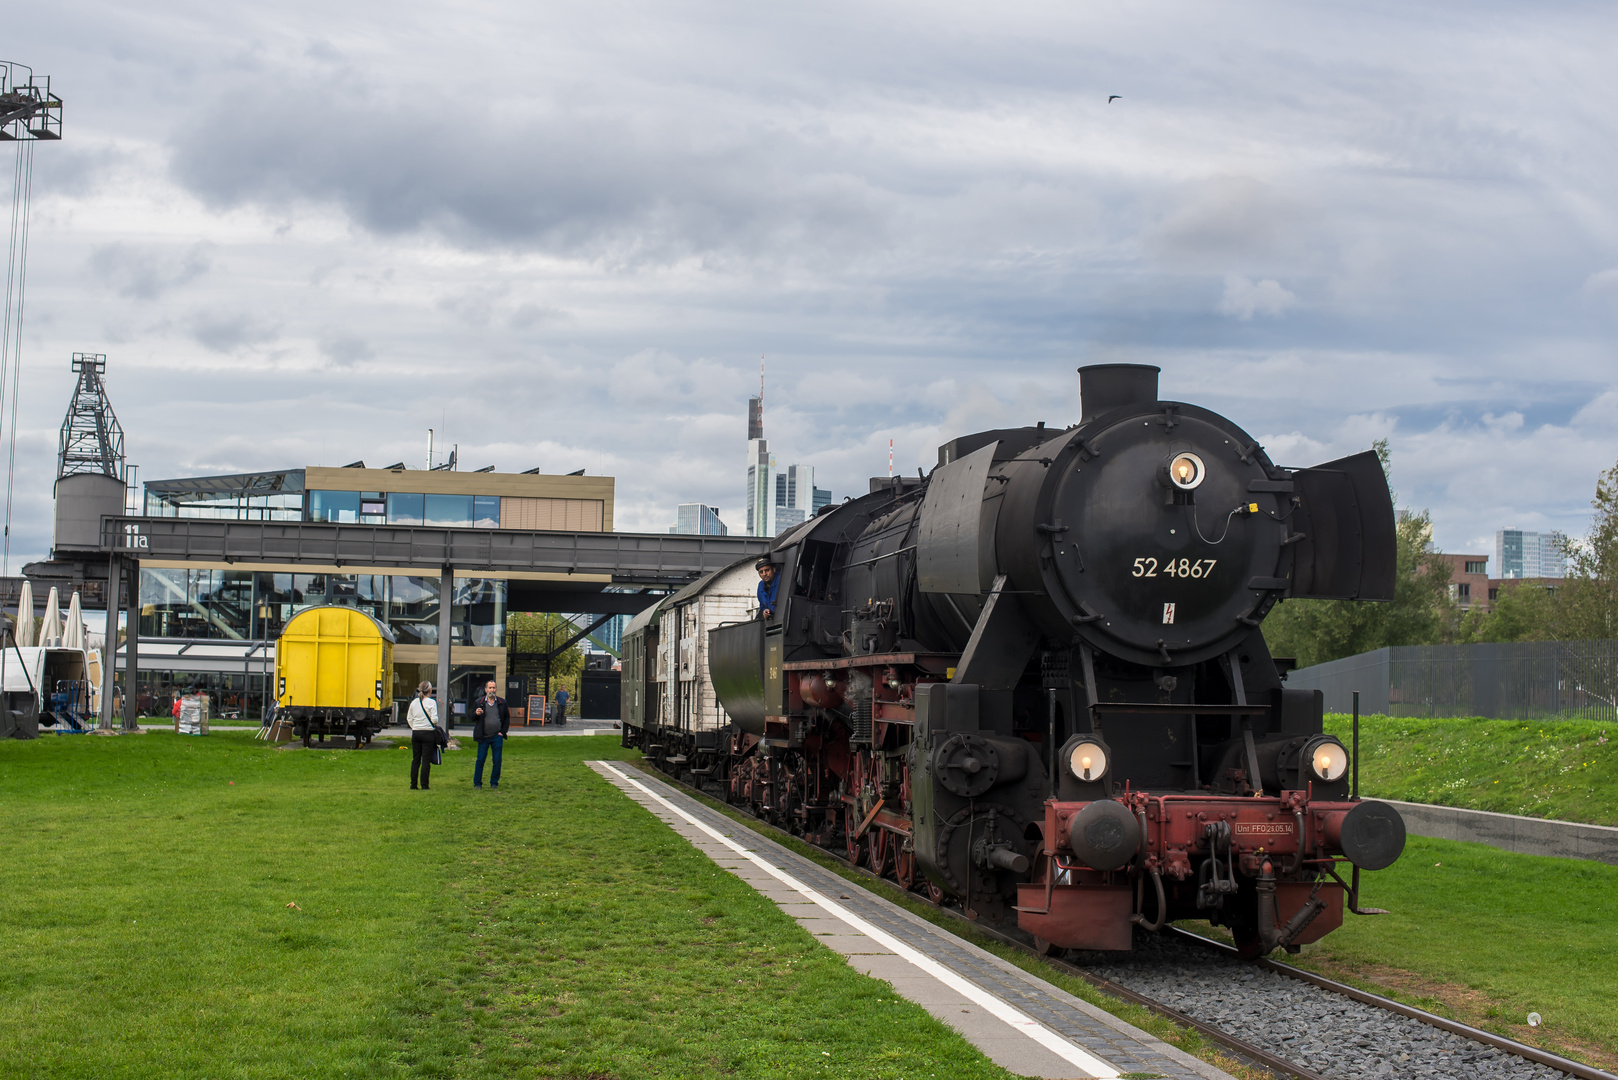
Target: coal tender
<point>1034,682</point>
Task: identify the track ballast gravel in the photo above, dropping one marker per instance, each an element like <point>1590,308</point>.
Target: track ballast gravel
<point>1329,1034</point>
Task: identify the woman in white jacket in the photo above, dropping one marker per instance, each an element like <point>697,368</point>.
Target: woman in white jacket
<point>423,719</point>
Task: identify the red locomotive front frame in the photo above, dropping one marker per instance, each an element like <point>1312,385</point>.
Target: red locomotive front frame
<point>1197,856</point>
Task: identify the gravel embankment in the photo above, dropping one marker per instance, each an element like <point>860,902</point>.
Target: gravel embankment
<point>1331,1035</point>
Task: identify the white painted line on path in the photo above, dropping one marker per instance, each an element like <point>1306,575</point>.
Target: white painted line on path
<point>1002,1010</point>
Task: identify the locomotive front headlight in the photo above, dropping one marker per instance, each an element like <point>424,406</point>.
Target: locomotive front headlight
<point>1328,760</point>
<point>1186,471</point>
<point>1088,760</point>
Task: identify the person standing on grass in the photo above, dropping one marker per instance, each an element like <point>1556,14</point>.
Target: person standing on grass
<point>490,722</point>
<point>423,719</point>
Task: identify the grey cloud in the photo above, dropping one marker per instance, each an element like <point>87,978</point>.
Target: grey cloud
<point>562,180</point>
<point>147,271</point>
<point>346,349</point>
<point>222,333</point>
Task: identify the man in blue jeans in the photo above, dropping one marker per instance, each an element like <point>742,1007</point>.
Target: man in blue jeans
<point>491,719</point>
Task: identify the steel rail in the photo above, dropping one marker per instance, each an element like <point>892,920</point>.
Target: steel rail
<point>1250,1053</point>
<point>1257,1055</point>
<point>1487,1038</point>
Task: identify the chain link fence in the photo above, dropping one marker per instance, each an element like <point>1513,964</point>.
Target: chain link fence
<point>1513,680</point>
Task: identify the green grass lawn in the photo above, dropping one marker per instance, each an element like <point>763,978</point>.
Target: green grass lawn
<point>212,907</point>
<point>1549,769</point>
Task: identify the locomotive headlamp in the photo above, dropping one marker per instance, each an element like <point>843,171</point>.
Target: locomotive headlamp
<point>1088,760</point>
<point>1186,471</point>
<point>1327,759</point>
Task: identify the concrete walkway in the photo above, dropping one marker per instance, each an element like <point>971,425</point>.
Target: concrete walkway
<point>1020,1022</point>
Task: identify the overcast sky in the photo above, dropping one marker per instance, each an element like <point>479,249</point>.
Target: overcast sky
<point>563,236</point>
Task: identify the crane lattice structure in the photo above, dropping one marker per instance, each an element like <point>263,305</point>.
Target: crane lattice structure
<point>92,440</point>
<point>28,110</point>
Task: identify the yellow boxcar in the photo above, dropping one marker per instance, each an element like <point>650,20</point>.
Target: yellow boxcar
<point>334,674</point>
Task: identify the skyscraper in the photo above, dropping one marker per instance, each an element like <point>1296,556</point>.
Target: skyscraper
<point>760,488</point>
<point>776,500</point>
<point>1519,553</point>
<point>698,519</point>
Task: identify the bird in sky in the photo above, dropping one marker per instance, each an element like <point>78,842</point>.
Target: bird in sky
<point>1113,98</point>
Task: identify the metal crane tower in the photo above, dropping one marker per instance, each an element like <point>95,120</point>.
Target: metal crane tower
<point>28,110</point>
<point>92,440</point>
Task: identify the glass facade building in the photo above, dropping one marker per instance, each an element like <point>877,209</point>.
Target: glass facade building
<point>270,496</point>
<point>248,605</point>
<point>212,627</point>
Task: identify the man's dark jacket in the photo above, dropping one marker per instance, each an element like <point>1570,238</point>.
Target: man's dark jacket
<point>477,720</point>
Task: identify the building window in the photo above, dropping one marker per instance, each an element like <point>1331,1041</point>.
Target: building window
<point>342,507</point>
<point>1477,566</point>
<point>486,511</point>
<point>449,511</point>
<point>1494,594</point>
<point>1463,592</point>
<point>405,508</point>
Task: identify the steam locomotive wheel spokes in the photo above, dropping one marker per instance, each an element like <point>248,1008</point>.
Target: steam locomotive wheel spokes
<point>879,845</point>
<point>856,847</point>
<point>904,868</point>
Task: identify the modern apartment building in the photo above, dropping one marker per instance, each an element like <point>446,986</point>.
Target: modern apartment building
<point>1519,553</point>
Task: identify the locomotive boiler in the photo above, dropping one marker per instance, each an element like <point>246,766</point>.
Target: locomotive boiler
<point>1033,683</point>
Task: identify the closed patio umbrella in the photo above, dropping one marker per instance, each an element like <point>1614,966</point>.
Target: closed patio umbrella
<point>51,632</point>
<point>73,634</point>
<point>25,614</point>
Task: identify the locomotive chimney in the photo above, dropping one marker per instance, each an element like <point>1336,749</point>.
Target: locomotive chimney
<point>1111,386</point>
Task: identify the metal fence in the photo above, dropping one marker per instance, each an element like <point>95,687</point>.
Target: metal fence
<point>1509,681</point>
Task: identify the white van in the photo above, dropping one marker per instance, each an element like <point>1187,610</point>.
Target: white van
<point>48,685</point>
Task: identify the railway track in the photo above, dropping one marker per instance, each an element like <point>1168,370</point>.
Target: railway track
<point>1287,1021</point>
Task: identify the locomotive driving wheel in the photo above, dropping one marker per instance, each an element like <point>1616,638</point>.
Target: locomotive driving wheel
<point>856,846</point>
<point>878,847</point>
<point>904,867</point>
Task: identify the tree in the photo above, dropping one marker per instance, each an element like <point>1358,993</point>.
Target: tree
<point>1420,613</point>
<point>1588,597</point>
<point>1584,604</point>
<point>527,632</point>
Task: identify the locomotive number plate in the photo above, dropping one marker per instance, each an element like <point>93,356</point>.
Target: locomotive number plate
<point>1146,566</point>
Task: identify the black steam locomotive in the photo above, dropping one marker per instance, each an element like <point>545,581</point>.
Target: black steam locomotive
<point>1034,682</point>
